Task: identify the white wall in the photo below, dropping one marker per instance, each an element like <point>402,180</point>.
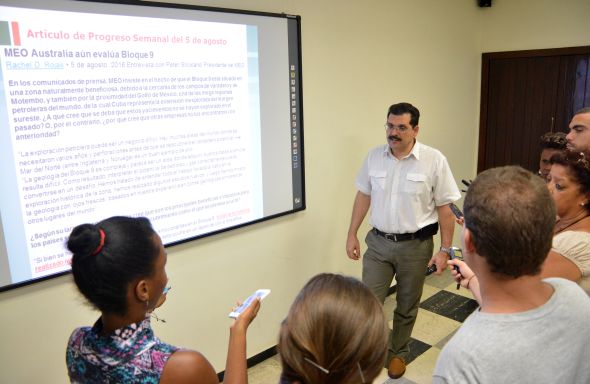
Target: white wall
<point>358,58</point>
<point>535,24</point>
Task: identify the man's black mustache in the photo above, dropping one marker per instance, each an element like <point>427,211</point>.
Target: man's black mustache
<point>391,137</point>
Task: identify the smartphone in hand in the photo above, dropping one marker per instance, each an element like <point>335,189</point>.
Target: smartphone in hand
<point>261,293</point>
<point>456,211</point>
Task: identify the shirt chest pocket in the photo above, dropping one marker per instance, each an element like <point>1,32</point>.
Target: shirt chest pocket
<point>378,179</point>
<point>415,183</point>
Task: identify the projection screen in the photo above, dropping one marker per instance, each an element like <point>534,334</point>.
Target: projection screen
<point>187,115</point>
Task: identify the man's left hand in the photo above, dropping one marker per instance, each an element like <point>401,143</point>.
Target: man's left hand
<point>440,259</point>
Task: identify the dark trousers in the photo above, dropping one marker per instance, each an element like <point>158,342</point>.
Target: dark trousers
<point>407,261</point>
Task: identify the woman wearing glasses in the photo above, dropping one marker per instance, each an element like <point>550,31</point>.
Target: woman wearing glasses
<point>335,332</point>
<point>569,184</point>
<point>119,265</point>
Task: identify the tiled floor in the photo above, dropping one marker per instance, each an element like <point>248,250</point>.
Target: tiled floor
<point>442,310</point>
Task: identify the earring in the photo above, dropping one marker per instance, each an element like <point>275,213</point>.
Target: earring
<point>582,204</point>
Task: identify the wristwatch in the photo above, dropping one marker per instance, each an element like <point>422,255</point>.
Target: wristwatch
<point>445,250</point>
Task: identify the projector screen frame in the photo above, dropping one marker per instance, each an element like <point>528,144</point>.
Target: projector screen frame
<point>296,95</point>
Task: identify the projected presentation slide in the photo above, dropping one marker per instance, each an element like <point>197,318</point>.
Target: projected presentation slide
<point>170,118</point>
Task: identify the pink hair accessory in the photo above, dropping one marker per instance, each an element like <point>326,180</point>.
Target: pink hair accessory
<point>99,248</point>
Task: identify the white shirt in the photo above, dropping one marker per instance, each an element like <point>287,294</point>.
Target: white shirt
<point>575,245</point>
<point>405,193</point>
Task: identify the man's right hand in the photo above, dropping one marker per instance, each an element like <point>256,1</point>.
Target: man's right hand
<point>353,249</point>
<point>463,274</point>
<point>359,210</point>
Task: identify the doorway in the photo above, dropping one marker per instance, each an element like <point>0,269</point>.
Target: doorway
<point>525,94</point>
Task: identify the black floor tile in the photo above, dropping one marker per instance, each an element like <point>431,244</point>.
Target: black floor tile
<point>417,348</point>
<point>448,304</point>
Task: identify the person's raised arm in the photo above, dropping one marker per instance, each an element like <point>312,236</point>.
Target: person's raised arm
<point>360,207</point>
<point>186,366</point>
<point>236,370</point>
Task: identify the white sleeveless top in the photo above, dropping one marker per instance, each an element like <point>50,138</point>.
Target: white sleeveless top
<point>575,246</point>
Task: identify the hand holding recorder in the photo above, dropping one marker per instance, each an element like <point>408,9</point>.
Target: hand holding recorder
<point>236,367</point>
<point>461,272</point>
<point>257,296</point>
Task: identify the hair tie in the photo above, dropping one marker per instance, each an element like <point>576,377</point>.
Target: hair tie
<point>99,248</point>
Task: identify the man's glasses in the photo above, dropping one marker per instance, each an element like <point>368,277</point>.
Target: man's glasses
<point>400,128</point>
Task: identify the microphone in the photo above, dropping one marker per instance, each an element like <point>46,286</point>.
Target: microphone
<point>157,318</point>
